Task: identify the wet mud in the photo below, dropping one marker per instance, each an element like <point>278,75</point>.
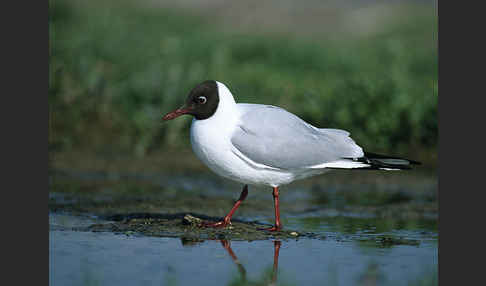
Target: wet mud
<point>164,204</point>
<point>189,228</point>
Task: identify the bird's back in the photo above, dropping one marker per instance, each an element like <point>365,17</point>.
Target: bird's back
<point>274,137</point>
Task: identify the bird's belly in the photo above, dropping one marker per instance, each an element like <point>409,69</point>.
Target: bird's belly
<point>217,154</point>
<point>226,164</point>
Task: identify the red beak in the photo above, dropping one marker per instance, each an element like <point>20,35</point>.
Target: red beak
<point>176,113</point>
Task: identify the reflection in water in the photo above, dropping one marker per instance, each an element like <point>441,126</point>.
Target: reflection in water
<point>275,260</point>
<point>227,245</point>
<point>81,258</point>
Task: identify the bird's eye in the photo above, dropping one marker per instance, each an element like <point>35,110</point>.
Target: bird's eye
<point>201,99</point>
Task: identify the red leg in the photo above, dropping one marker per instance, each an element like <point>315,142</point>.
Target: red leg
<point>227,219</point>
<point>278,226</point>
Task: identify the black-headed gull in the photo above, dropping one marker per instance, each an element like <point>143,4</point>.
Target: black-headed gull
<point>265,145</point>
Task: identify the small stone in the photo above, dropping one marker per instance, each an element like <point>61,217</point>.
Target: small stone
<point>190,220</point>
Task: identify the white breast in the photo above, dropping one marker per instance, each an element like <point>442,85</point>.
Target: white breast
<point>211,142</point>
<point>211,138</point>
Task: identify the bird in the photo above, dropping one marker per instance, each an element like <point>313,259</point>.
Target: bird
<point>265,145</point>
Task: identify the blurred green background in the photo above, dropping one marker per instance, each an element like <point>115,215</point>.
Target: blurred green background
<point>115,67</point>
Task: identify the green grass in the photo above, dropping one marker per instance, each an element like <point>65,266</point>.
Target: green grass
<point>116,68</point>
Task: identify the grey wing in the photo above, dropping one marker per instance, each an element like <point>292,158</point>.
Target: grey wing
<point>273,137</point>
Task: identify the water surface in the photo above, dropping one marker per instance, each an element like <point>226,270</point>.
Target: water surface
<point>371,229</point>
<point>353,258</point>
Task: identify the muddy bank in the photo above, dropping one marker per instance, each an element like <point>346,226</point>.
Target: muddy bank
<point>188,228</point>
<point>342,206</point>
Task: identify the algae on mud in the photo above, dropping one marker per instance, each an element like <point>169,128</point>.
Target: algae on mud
<point>188,228</point>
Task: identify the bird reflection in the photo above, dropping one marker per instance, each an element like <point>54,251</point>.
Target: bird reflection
<point>227,245</point>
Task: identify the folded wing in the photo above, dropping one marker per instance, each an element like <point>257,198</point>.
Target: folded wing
<point>272,137</point>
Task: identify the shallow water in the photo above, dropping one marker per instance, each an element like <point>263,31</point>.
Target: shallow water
<point>85,258</point>
<point>91,258</point>
<point>371,229</point>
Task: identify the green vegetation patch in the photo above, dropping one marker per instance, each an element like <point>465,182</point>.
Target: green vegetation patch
<point>115,67</point>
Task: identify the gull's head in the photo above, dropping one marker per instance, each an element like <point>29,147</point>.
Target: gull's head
<point>202,101</point>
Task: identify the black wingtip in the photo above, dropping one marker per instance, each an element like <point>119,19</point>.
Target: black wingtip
<point>370,156</point>
<point>384,162</point>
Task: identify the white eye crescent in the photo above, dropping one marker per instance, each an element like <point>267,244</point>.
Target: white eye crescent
<point>201,99</point>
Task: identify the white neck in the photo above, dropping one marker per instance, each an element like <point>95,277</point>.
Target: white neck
<point>225,116</point>
<point>226,106</point>
<point>215,131</point>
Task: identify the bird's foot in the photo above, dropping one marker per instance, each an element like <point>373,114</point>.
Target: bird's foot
<point>273,228</point>
<point>223,223</point>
